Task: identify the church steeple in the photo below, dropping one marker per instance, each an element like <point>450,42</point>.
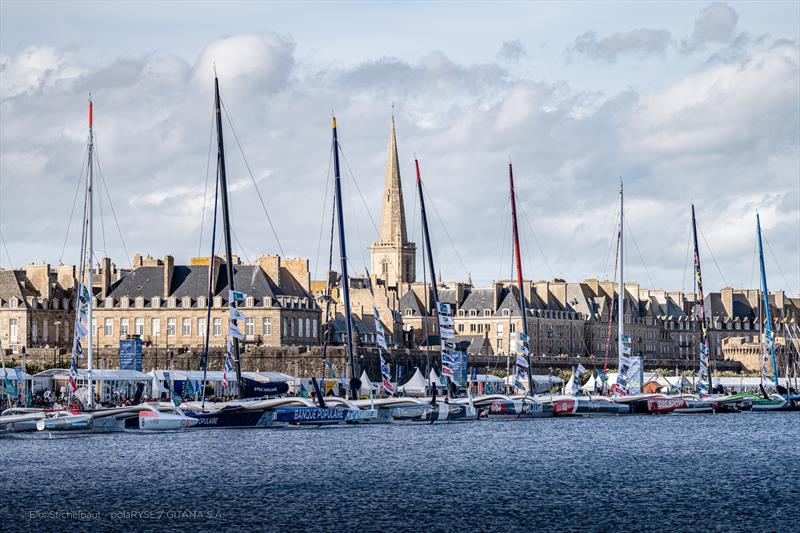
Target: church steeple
<point>393,257</point>
<point>393,216</point>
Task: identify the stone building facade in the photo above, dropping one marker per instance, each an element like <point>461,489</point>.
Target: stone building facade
<point>162,303</point>
<point>166,304</point>
<point>36,308</point>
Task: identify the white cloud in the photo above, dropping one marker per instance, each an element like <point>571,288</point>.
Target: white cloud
<point>716,24</point>
<point>639,43</point>
<point>35,68</point>
<point>724,135</point>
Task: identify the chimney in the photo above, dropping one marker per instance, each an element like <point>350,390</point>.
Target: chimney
<point>39,276</point>
<point>66,276</point>
<point>137,260</point>
<point>105,277</point>
<point>780,301</point>
<point>543,292</point>
<point>497,292</point>
<point>298,268</point>
<point>271,265</point>
<point>727,300</point>
<point>559,291</point>
<point>593,285</point>
<point>607,289</point>
<point>633,290</point>
<point>169,267</point>
<point>459,294</point>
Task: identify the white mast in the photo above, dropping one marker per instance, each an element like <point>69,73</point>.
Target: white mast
<point>90,263</point>
<point>621,294</point>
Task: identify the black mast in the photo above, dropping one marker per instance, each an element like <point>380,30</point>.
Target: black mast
<point>354,385</point>
<point>226,222</point>
<point>427,239</point>
<point>425,233</point>
<point>705,365</point>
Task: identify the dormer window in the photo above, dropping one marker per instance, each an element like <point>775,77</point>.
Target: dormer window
<point>506,312</point>
<point>139,302</point>
<point>14,303</point>
<point>487,312</point>
<point>217,301</point>
<point>109,302</point>
<point>187,302</point>
<point>201,301</point>
<point>249,301</point>
<point>155,302</point>
<point>473,312</point>
<point>171,302</point>
<point>124,302</point>
<point>460,312</point>
<point>409,312</point>
<point>267,301</point>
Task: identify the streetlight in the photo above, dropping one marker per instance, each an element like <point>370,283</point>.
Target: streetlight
<point>57,323</point>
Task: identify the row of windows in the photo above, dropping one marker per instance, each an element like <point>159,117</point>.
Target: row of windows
<point>186,329</point>
<point>293,327</point>
<point>289,303</point>
<point>49,331</point>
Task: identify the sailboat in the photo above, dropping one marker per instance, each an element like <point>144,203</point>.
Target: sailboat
<point>262,412</point>
<point>704,403</point>
<point>626,392</point>
<point>519,405</point>
<point>85,414</point>
<point>775,402</point>
<point>449,408</point>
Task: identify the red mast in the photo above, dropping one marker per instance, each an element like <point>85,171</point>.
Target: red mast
<point>523,310</point>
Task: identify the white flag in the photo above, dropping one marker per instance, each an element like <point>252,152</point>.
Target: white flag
<point>580,370</point>
<point>445,320</point>
<point>447,332</point>
<point>234,331</point>
<point>236,314</point>
<point>81,330</point>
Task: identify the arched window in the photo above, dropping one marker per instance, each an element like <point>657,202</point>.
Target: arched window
<point>385,267</point>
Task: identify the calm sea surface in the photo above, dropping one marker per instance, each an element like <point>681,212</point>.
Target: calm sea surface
<point>737,472</point>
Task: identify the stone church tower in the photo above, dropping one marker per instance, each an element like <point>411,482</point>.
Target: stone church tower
<point>393,257</point>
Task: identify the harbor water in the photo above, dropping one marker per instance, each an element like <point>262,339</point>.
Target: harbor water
<point>737,472</point>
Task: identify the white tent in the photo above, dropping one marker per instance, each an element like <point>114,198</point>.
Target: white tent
<point>571,387</point>
<point>433,378</point>
<point>541,383</point>
<point>158,388</point>
<point>612,379</point>
<point>366,384</point>
<point>416,386</point>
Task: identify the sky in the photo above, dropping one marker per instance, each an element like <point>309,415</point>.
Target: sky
<point>687,102</point>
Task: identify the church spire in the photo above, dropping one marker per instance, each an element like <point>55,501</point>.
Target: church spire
<point>393,217</point>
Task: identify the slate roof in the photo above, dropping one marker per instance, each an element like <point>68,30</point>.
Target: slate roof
<point>410,301</point>
<point>192,281</point>
<point>479,299</point>
<point>9,285</point>
<point>145,281</point>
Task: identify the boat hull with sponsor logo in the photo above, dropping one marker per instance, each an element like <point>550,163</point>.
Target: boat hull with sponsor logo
<point>512,408</point>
